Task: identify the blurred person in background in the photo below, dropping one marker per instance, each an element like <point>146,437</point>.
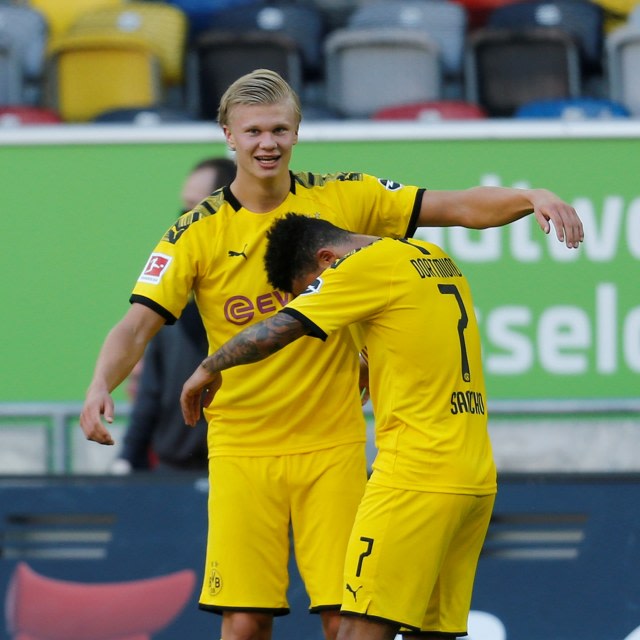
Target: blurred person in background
<point>156,436</point>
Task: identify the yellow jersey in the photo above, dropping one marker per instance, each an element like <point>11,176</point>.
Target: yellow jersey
<point>416,313</point>
<point>304,398</point>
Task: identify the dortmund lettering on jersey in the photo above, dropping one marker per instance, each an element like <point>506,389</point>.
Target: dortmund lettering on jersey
<point>414,309</point>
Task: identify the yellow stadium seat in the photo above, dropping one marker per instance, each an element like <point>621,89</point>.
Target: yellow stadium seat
<point>87,75</point>
<point>60,14</point>
<point>163,25</point>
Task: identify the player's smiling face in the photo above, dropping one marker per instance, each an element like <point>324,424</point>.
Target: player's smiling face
<point>263,137</point>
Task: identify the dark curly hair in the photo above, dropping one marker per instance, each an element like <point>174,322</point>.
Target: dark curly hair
<point>292,245</point>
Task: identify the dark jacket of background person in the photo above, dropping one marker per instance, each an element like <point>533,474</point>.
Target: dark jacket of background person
<point>156,436</point>
<point>156,420</point>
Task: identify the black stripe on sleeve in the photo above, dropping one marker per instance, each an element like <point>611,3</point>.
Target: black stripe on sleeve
<point>208,207</point>
<point>313,329</point>
<point>154,306</point>
<point>413,222</point>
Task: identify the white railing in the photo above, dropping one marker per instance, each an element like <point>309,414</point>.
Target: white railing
<point>44,437</point>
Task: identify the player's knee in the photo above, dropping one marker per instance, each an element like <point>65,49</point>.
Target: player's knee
<point>330,624</point>
<point>246,626</point>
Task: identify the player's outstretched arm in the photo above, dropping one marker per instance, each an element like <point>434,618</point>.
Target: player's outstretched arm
<point>254,343</point>
<point>122,348</point>
<point>484,207</point>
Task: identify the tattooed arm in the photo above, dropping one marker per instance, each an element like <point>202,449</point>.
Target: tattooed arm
<point>256,342</point>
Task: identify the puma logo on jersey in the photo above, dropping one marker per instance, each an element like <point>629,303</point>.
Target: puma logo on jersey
<point>237,254</point>
<point>354,592</point>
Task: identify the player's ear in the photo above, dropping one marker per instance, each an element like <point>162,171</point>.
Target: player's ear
<point>229,138</point>
<point>325,257</point>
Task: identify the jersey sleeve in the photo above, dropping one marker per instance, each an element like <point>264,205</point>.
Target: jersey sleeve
<point>166,280</point>
<point>346,293</point>
<point>382,207</point>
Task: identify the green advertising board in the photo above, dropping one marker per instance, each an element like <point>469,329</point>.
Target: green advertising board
<point>83,210</point>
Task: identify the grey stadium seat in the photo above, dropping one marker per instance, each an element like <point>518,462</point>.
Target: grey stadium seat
<point>369,69</point>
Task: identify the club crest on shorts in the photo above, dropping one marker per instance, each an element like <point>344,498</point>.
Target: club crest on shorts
<point>214,582</point>
<point>155,268</point>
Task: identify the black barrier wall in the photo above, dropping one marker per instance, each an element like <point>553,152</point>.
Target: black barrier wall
<point>561,561</point>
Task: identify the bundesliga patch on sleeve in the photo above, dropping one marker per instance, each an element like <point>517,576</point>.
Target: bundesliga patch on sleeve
<point>314,287</point>
<point>390,185</point>
<point>155,268</point>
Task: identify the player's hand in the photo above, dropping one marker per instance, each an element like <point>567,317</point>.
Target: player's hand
<point>198,391</point>
<point>550,209</point>
<point>97,404</point>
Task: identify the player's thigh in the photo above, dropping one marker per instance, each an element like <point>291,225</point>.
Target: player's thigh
<point>328,487</point>
<point>398,545</point>
<point>449,607</point>
<point>248,536</point>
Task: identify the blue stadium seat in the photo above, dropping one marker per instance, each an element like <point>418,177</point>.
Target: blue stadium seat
<point>200,13</point>
<point>573,109</point>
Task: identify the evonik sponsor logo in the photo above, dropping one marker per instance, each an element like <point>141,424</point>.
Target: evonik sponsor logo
<point>240,309</point>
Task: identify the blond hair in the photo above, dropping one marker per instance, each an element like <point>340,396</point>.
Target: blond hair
<point>259,87</point>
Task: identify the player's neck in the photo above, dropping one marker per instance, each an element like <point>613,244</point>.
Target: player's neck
<point>261,195</point>
<point>359,240</point>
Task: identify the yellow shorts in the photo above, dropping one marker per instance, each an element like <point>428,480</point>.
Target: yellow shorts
<point>412,558</point>
<point>253,501</point>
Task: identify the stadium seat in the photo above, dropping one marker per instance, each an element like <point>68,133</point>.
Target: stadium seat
<point>432,110</point>
<point>18,115</point>
<point>336,13</point>
<point>150,116</point>
<point>573,109</point>
<point>478,11</point>
<point>87,75</point>
<point>60,14</point>
<point>219,58</point>
<point>201,13</point>
<point>506,68</point>
<point>303,23</point>
<point>581,19</point>
<point>633,19</point>
<point>23,42</point>
<point>10,72</point>
<point>43,608</point>
<point>616,12</point>
<point>163,25</point>
<point>623,62</point>
<point>444,21</point>
<point>369,69</point>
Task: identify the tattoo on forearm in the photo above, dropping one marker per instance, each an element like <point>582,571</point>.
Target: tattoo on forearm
<point>256,342</point>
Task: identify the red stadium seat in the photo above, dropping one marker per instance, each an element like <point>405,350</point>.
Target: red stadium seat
<point>18,115</point>
<point>432,110</point>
